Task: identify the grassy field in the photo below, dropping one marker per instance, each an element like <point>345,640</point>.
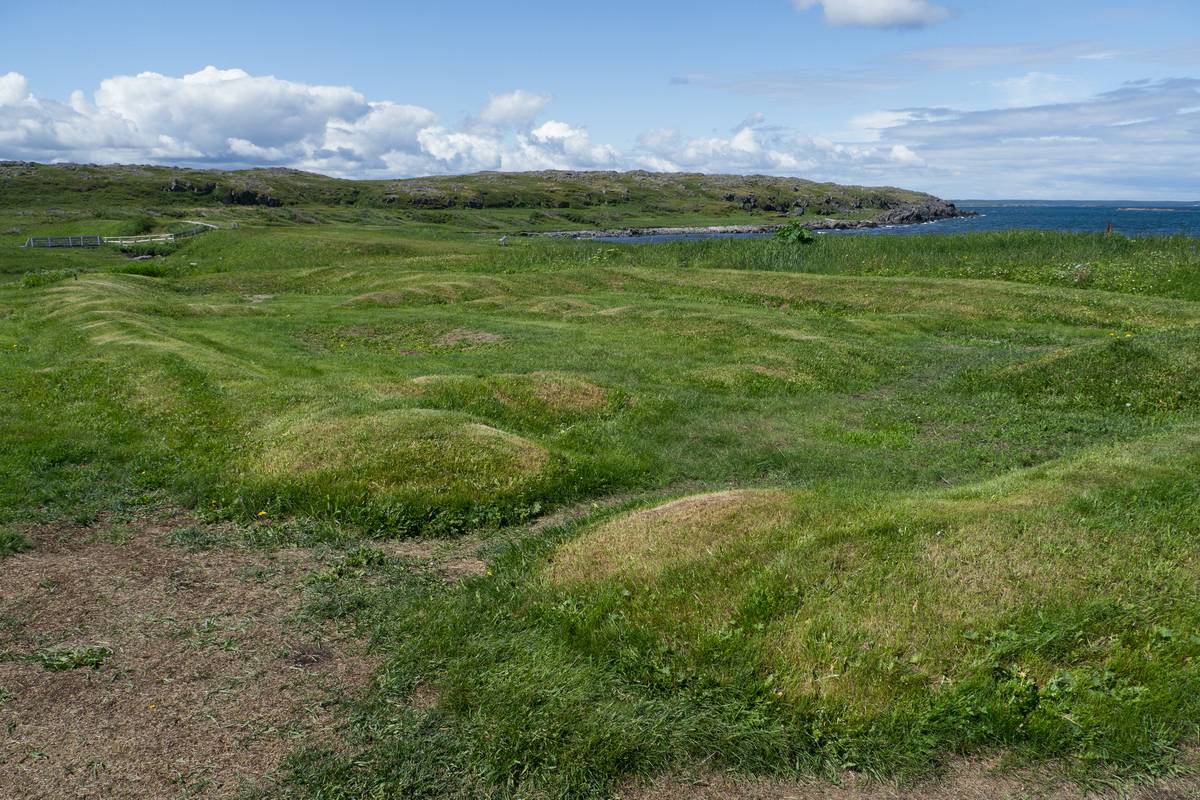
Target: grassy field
<point>870,504</point>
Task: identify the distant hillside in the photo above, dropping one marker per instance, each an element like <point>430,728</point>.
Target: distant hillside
<point>72,185</point>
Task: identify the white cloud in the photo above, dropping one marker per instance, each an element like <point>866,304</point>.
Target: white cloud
<point>878,13</point>
<point>13,88</point>
<point>1130,142</point>
<point>814,85</point>
<point>208,107</point>
<point>901,154</point>
<point>1035,89</point>
<point>514,109</point>
<point>1140,140</point>
<point>976,56</point>
<point>869,127</point>
<point>385,128</point>
<point>571,146</point>
<point>227,117</point>
<point>779,152</point>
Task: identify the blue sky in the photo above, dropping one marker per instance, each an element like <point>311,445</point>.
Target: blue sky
<point>965,99</point>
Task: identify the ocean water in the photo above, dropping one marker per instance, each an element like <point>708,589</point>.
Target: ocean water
<point>1127,218</point>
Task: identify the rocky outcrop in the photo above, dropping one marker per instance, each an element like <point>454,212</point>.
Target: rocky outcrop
<point>251,197</point>
<point>914,213</point>
<point>177,185</point>
<point>904,214</point>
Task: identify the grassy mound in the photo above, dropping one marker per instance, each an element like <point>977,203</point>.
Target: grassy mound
<point>427,290</point>
<point>1148,372</point>
<point>417,459</point>
<point>642,544</point>
<point>861,604</point>
<point>533,400</point>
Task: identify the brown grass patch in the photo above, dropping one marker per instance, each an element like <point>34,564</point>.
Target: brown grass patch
<point>555,391</point>
<point>966,779</point>
<point>424,697</point>
<point>211,681</point>
<point>568,392</point>
<point>453,559</point>
<point>387,299</point>
<point>400,449</point>
<point>560,306</point>
<point>641,543</point>
<point>737,376</point>
<point>465,336</point>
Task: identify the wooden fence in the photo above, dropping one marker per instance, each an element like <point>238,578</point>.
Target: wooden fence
<point>96,241</point>
<point>64,241</point>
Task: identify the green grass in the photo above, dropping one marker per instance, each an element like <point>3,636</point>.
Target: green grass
<point>536,200</point>
<point>62,659</point>
<point>13,542</point>
<point>959,474</point>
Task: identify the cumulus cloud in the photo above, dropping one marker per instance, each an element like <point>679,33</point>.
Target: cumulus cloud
<point>777,151</point>
<point>228,117</point>
<point>514,109</point>
<point>1139,140</point>
<point>877,13</point>
<point>13,88</point>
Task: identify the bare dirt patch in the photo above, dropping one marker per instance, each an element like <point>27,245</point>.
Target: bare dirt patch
<point>212,679</point>
<point>971,779</point>
<point>454,560</point>
<point>424,697</point>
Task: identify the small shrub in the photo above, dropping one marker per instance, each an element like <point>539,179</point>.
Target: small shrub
<point>433,217</point>
<point>141,225</point>
<point>148,269</point>
<point>795,233</point>
<point>579,219</point>
<point>303,217</point>
<point>149,249</point>
<point>45,277</point>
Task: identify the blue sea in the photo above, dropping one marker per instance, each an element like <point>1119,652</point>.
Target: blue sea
<point>1127,218</point>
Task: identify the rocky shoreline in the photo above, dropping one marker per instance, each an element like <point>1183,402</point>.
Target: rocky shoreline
<point>909,214</point>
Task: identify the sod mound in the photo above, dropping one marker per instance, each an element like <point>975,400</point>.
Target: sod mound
<point>530,397</point>
<point>1151,372</point>
<point>642,543</point>
<point>435,454</point>
<point>424,292</point>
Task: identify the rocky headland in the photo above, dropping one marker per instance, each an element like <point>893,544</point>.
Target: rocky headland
<point>905,214</point>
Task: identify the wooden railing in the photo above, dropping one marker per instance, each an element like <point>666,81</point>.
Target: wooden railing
<point>64,241</point>
<point>96,241</point>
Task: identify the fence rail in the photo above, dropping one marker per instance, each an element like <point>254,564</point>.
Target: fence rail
<point>153,237</point>
<point>96,241</point>
<point>64,241</point>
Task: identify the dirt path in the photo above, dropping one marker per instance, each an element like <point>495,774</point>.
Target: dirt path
<point>211,680</point>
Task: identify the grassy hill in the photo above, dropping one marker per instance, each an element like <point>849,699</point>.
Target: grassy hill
<point>604,513</point>
<point>563,199</point>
